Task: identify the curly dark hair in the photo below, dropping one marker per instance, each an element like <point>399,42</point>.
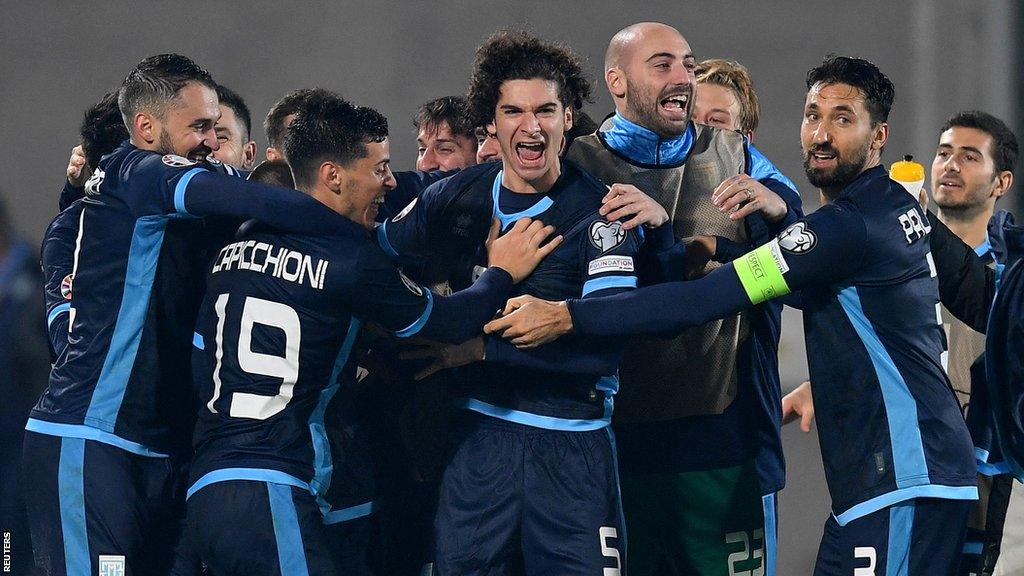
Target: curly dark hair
<point>859,73</point>
<point>327,127</point>
<point>519,55</point>
<point>102,129</point>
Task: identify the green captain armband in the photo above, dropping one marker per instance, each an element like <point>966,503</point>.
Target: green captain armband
<point>761,271</point>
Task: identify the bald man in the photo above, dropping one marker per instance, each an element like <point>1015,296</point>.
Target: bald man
<point>698,415</point>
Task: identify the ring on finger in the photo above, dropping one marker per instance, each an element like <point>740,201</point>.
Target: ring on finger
<point>749,193</point>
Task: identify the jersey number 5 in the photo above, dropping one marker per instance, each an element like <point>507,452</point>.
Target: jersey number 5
<point>259,311</point>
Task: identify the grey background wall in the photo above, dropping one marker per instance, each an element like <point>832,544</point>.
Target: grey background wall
<point>57,58</point>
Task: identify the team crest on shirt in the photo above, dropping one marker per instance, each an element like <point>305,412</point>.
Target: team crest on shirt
<point>65,287</point>
<point>405,211</point>
<point>412,286</point>
<point>798,239</point>
<point>175,161</point>
<point>110,565</point>
<point>606,235</point>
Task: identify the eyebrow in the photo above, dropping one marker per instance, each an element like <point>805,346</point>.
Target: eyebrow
<point>967,148</point>
<point>667,55</point>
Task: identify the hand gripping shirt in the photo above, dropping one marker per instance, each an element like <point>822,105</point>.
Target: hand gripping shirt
<point>708,397</point>
<point>566,385</point>
<point>888,421</point>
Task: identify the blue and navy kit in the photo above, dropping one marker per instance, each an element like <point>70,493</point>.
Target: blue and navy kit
<point>58,259</point>
<point>275,340</point>
<point>567,385</point>
<point>890,427</point>
<point>138,262</point>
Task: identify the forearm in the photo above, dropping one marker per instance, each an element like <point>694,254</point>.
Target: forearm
<point>461,316</point>
<point>208,194</point>
<point>670,307</point>
<point>69,194</point>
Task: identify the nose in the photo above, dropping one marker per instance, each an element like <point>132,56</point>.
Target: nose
<point>210,139</point>
<point>821,134</point>
<point>681,75</point>
<point>952,164</point>
<point>427,161</point>
<point>530,125</point>
<point>389,180</point>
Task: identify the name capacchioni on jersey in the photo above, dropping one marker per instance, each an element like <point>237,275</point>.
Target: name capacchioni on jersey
<point>288,265</point>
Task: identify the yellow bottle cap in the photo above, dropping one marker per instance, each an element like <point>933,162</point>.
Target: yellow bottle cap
<point>906,170</point>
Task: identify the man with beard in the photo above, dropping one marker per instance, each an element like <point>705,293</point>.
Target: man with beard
<point>104,441</point>
<point>972,169</point>
<point>897,454</point>
<point>697,416</point>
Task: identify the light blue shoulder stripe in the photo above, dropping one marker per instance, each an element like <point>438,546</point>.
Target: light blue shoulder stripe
<point>57,311</point>
<point>253,474</point>
<point>181,187</point>
<point>89,433</point>
<point>534,420</point>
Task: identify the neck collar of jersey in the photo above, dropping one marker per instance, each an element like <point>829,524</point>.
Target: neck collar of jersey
<point>643,146</point>
<point>507,220</point>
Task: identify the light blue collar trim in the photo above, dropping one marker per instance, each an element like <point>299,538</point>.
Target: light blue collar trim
<point>507,220</point>
<point>644,146</point>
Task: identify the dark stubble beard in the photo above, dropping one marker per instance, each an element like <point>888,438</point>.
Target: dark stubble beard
<point>643,106</point>
<point>197,154</point>
<point>846,171</point>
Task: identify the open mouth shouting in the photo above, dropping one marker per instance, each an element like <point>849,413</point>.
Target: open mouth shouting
<point>822,158</point>
<point>676,106</point>
<point>530,154</point>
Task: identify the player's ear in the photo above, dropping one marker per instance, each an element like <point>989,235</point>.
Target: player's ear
<point>1003,182</point>
<point>880,135</point>
<point>568,118</point>
<point>330,175</point>
<point>273,154</point>
<point>249,155</point>
<point>616,81</point>
<point>146,127</point>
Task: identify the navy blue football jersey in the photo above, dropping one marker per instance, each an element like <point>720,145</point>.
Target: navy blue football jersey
<point>566,385</point>
<point>138,262</point>
<point>274,343</point>
<point>889,424</point>
<point>57,259</point>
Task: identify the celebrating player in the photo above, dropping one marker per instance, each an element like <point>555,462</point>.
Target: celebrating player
<point>898,458</point>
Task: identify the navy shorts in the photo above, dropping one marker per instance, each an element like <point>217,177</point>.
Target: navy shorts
<point>96,509</point>
<point>919,537</point>
<point>518,499</point>
<point>254,528</point>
